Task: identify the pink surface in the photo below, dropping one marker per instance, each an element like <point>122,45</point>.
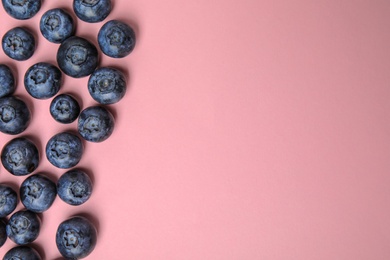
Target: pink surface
<point>250,130</point>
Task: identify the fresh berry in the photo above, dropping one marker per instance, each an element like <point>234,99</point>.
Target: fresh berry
<point>92,11</point>
<point>7,81</point>
<point>116,39</point>
<point>8,200</point>
<point>56,25</point>
<point>42,80</point>
<point>3,232</point>
<point>74,187</point>
<point>22,253</point>
<point>18,44</point>
<point>23,227</point>
<point>22,9</point>
<point>107,85</point>
<point>20,156</point>
<point>64,108</point>
<point>76,238</point>
<point>37,193</point>
<point>95,124</point>
<point>14,115</point>
<point>77,57</point>
<point>64,150</point>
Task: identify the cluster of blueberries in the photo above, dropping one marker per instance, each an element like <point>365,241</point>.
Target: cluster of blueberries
<point>76,57</point>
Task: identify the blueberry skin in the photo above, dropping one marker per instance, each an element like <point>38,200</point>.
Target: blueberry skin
<point>8,200</point>
<point>37,193</point>
<point>56,25</point>
<point>3,232</point>
<point>18,44</point>
<point>64,109</point>
<point>22,9</point>
<point>95,124</point>
<point>92,11</point>
<point>64,150</point>
<point>22,253</point>
<point>76,238</point>
<point>116,39</point>
<point>20,156</point>
<point>42,80</point>
<point>107,85</point>
<point>74,187</point>
<point>14,115</point>
<point>7,81</point>
<point>77,57</point>
<point>23,227</point>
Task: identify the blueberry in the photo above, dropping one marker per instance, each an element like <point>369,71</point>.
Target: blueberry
<point>37,193</point>
<point>8,200</point>
<point>23,227</point>
<point>18,44</point>
<point>3,232</point>
<point>77,57</point>
<point>22,9</point>
<point>7,81</point>
<point>64,108</point>
<point>76,238</point>
<point>14,115</point>
<point>116,39</point>
<point>56,25</point>
<point>22,253</point>
<point>107,85</point>
<point>42,80</point>
<point>74,187</point>
<point>92,11</point>
<point>20,156</point>
<point>95,124</point>
<point>64,150</point>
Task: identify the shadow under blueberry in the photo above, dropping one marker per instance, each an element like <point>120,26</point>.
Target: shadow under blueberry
<point>39,249</point>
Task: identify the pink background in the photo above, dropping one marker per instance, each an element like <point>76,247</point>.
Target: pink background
<point>250,130</point>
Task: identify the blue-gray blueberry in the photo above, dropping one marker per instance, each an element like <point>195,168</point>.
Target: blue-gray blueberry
<point>22,9</point>
<point>77,57</point>
<point>92,11</point>
<point>37,193</point>
<point>8,200</point>
<point>56,25</point>
<point>116,39</point>
<point>64,108</point>
<point>22,253</point>
<point>74,187</point>
<point>14,115</point>
<point>18,44</point>
<point>7,81</point>
<point>3,232</point>
<point>64,150</point>
<point>23,227</point>
<point>95,124</point>
<point>20,156</point>
<point>107,85</point>
<point>42,80</point>
<point>76,238</point>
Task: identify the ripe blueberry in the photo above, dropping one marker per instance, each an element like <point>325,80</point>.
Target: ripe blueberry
<point>116,39</point>
<point>74,187</point>
<point>95,124</point>
<point>20,156</point>
<point>22,9</point>
<point>76,238</point>
<point>56,25</point>
<point>22,253</point>
<point>107,85</point>
<point>14,115</point>
<point>77,57</point>
<point>64,150</point>
<point>7,81</point>
<point>8,200</point>
<point>64,108</point>
<point>18,44</point>
<point>3,232</point>
<point>92,11</point>
<point>42,80</point>
<point>37,193</point>
<point>23,227</point>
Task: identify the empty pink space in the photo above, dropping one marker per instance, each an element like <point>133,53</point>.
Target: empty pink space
<point>249,130</point>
